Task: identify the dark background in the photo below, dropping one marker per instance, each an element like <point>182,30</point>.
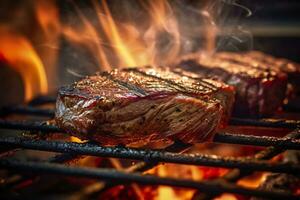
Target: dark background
<point>275,25</point>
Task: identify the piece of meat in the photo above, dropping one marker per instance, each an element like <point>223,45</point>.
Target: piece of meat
<point>218,90</point>
<point>259,92</point>
<point>291,68</point>
<point>134,108</point>
<point>260,60</point>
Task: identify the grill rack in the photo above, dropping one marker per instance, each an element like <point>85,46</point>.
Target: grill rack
<point>151,158</point>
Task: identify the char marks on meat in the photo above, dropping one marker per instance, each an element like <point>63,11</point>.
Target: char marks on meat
<point>261,60</point>
<point>289,67</point>
<point>139,106</point>
<point>260,90</point>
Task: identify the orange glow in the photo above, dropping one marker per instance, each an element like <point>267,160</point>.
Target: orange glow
<point>48,17</point>
<point>253,181</point>
<point>197,174</point>
<point>165,192</point>
<point>76,139</point>
<point>153,39</point>
<point>20,54</point>
<point>123,44</point>
<point>110,28</point>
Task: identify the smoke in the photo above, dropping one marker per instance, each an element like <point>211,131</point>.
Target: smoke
<point>88,36</point>
<point>233,36</point>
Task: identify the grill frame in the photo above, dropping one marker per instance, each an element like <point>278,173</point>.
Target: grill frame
<point>150,158</point>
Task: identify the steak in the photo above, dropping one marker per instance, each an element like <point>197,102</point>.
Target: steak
<point>137,107</point>
<point>218,90</point>
<point>264,61</point>
<point>259,91</point>
<point>289,67</point>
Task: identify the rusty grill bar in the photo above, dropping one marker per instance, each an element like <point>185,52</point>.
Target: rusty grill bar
<point>150,158</point>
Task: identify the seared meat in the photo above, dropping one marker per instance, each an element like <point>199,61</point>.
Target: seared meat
<point>219,90</point>
<point>260,60</point>
<point>259,91</point>
<point>136,107</point>
<point>291,68</point>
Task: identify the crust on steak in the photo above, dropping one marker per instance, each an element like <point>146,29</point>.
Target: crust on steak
<point>128,108</point>
<point>259,92</point>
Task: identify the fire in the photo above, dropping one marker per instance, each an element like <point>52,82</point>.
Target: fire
<point>147,33</point>
<point>125,44</point>
<point>165,192</point>
<point>19,53</point>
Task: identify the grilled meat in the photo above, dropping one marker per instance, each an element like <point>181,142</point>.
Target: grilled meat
<point>260,60</point>
<point>219,90</point>
<point>137,107</point>
<point>289,67</point>
<point>259,91</point>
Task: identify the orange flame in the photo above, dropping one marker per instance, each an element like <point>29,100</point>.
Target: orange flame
<point>155,39</point>
<point>122,44</point>
<point>20,54</point>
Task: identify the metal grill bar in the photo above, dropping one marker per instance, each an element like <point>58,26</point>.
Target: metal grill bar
<point>236,174</point>
<point>27,110</point>
<point>147,155</point>
<point>138,167</point>
<point>177,147</point>
<point>287,143</point>
<point>219,137</point>
<point>62,158</point>
<point>272,123</point>
<point>123,177</point>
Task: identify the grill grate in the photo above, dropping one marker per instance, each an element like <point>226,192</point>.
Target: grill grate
<point>124,178</point>
<point>148,155</point>
<point>150,158</point>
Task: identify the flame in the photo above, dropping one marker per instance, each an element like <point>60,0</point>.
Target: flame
<point>48,18</point>
<point>125,44</point>
<point>111,30</point>
<point>154,39</point>
<point>165,192</point>
<point>19,53</point>
<point>48,39</point>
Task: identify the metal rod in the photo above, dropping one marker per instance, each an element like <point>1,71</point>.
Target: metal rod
<point>27,110</point>
<point>29,126</point>
<point>287,143</point>
<point>176,147</point>
<point>61,158</point>
<point>219,137</point>
<point>123,177</point>
<point>236,174</point>
<point>148,155</point>
<point>273,123</point>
